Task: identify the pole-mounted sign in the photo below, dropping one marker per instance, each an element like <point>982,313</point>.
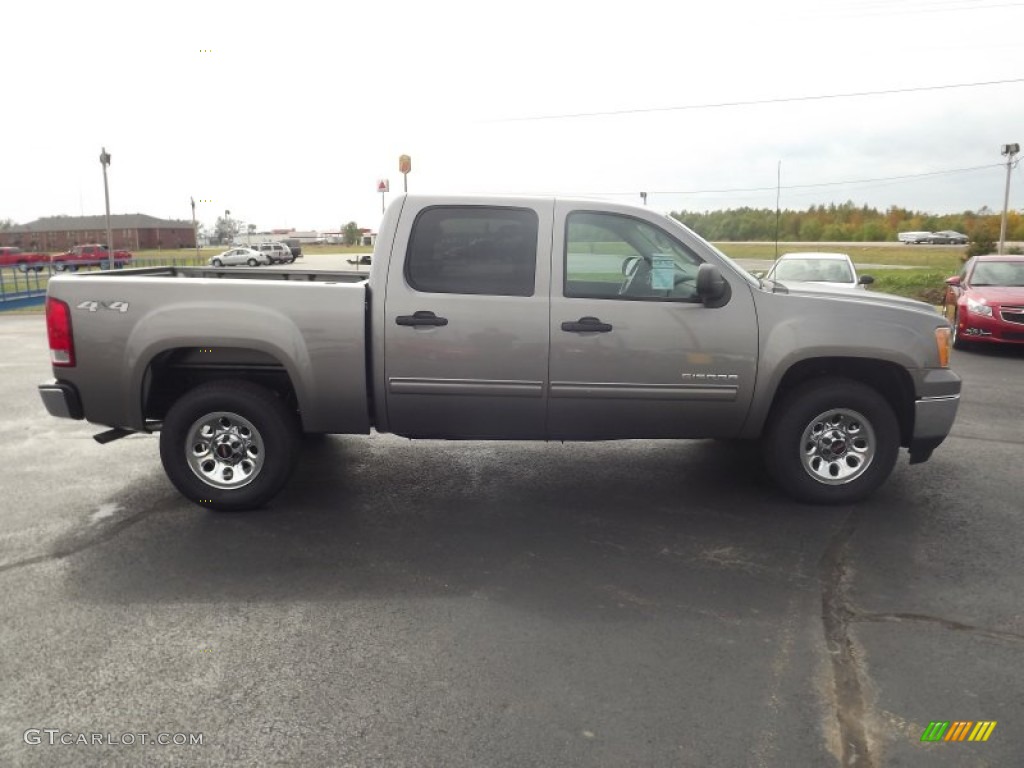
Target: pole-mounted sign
<point>404,167</point>
<point>382,187</point>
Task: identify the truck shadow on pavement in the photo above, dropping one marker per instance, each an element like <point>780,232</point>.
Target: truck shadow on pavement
<point>633,526</point>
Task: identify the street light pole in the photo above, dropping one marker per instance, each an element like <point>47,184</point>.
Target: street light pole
<point>195,229</point>
<point>1008,151</point>
<point>105,161</point>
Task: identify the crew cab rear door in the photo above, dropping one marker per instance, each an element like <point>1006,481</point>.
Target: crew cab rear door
<point>466,319</point>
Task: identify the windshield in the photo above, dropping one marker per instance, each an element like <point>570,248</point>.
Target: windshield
<point>814,270</point>
<point>1006,273</point>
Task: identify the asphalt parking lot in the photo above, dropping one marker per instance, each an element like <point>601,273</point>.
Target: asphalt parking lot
<point>480,604</point>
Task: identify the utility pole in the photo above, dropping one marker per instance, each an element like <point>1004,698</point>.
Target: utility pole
<point>778,195</point>
<point>195,228</point>
<point>1008,151</point>
<point>105,161</point>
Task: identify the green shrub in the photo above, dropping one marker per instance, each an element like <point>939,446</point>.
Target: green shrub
<point>926,285</point>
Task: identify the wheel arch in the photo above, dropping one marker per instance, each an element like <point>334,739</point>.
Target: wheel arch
<point>172,372</point>
<point>889,379</point>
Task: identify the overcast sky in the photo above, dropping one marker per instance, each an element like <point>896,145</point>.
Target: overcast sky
<point>288,113</point>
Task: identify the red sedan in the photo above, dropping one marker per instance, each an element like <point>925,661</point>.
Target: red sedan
<point>985,302</point>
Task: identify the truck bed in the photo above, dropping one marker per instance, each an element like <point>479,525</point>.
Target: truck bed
<point>307,328</point>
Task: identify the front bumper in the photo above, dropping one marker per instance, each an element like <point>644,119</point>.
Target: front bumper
<point>982,328</point>
<point>61,399</point>
<point>933,419</point>
<point>938,397</point>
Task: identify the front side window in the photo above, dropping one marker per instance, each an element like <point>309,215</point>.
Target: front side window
<point>474,250</point>
<point>611,256</point>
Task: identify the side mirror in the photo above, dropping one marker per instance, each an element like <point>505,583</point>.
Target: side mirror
<point>759,274</point>
<point>712,288</point>
<point>953,281</point>
<point>629,265</point>
<point>865,280</point>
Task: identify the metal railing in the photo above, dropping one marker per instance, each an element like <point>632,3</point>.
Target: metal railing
<point>25,286</point>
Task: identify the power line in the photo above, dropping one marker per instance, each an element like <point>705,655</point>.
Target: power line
<point>916,11</point>
<point>757,102</point>
<point>904,177</point>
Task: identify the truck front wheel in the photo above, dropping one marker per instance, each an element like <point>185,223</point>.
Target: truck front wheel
<point>831,441</point>
<point>229,445</point>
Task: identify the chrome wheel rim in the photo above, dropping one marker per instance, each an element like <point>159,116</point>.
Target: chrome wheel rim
<point>224,450</point>
<point>837,446</point>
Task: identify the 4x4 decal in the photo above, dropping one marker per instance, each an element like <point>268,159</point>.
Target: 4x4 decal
<point>92,306</point>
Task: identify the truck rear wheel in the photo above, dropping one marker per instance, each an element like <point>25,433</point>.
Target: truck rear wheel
<point>831,441</point>
<point>229,445</point>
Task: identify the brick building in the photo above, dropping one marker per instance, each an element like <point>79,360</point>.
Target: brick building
<point>134,231</point>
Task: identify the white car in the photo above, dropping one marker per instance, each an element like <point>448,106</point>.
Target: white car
<point>915,238</point>
<point>239,256</point>
<point>835,270</point>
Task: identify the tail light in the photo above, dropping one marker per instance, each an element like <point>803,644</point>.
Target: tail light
<point>58,330</point>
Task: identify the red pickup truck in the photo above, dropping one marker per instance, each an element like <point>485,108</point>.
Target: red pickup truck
<point>11,256</point>
<point>92,255</point>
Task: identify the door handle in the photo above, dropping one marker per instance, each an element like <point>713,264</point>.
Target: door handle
<point>422,317</point>
<point>586,325</point>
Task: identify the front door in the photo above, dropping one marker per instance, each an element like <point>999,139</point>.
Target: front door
<point>634,351</point>
<point>466,321</point>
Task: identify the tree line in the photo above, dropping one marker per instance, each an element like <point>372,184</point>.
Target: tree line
<point>842,223</point>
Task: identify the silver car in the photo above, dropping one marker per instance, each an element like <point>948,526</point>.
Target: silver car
<point>236,256</point>
<point>949,237</point>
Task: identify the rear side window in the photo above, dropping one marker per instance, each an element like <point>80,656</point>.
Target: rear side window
<point>476,250</point>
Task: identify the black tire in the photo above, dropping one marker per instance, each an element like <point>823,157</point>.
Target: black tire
<point>247,412</point>
<point>58,266</point>
<point>217,263</point>
<point>252,262</point>
<point>853,418</point>
<point>959,342</point>
<point>23,267</point>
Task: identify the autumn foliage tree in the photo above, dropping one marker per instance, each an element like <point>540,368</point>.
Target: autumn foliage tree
<point>839,223</point>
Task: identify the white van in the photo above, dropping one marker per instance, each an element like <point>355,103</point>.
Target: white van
<point>278,253</point>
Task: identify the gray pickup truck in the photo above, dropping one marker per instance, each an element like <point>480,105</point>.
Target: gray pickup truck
<point>501,319</point>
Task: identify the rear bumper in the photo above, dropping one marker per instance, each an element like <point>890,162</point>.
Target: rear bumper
<point>61,400</point>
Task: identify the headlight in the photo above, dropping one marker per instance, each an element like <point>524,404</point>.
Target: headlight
<point>979,308</point>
